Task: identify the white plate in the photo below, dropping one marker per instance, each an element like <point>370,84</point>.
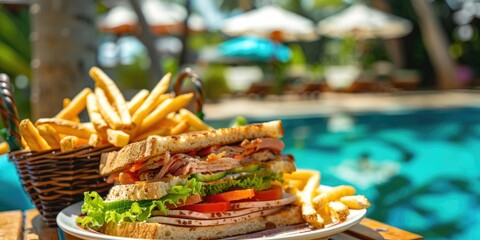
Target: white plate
<point>66,221</point>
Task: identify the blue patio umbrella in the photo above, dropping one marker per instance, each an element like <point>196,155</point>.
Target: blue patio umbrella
<point>255,49</point>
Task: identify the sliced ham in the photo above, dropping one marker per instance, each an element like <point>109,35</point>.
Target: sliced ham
<point>221,164</point>
<point>286,199</point>
<point>272,144</point>
<point>225,158</point>
<point>198,215</point>
<point>212,222</point>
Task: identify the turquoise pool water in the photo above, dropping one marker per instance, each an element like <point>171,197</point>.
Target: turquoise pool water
<point>420,169</point>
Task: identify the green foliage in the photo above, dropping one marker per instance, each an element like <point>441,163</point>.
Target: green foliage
<point>328,3</point>
<point>14,43</point>
<point>215,82</point>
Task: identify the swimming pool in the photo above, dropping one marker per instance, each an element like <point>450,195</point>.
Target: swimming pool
<point>420,169</point>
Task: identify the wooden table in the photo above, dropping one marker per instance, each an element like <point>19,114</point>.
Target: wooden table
<point>29,226</point>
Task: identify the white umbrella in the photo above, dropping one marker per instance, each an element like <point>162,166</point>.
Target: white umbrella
<point>270,19</point>
<point>362,22</point>
<point>163,16</point>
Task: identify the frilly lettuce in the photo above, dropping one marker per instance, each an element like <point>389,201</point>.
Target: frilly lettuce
<point>98,212</point>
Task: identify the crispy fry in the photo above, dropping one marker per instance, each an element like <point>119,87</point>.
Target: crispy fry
<point>4,148</point>
<point>338,211</point>
<point>163,129</point>
<point>75,107</point>
<point>169,105</point>
<point>332,195</point>
<point>325,214</point>
<point>157,131</point>
<point>194,121</point>
<point>66,102</point>
<point>113,93</point>
<point>95,140</point>
<point>309,214</point>
<point>137,101</point>
<point>117,138</point>
<point>66,127</point>
<point>356,202</point>
<point>300,177</point>
<point>180,128</point>
<point>162,98</point>
<point>107,111</point>
<point>94,114</point>
<point>30,133</point>
<point>50,135</point>
<point>68,143</point>
<point>149,103</point>
<point>24,143</point>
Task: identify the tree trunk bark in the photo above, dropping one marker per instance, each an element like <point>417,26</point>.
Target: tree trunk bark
<point>63,42</point>
<point>394,46</point>
<point>436,44</point>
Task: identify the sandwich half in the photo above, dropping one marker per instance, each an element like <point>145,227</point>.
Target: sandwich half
<point>202,185</point>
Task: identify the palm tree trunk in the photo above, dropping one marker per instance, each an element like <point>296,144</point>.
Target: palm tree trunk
<point>436,44</point>
<point>63,42</point>
<point>394,47</point>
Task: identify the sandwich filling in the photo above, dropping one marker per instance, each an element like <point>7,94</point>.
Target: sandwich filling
<point>212,159</point>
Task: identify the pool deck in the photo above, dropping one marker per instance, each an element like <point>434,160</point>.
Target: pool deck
<point>326,103</point>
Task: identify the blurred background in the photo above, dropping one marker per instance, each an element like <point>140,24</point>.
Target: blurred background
<point>388,88</point>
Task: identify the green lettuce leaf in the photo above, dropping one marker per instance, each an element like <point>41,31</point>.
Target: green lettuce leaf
<point>258,182</point>
<point>98,212</point>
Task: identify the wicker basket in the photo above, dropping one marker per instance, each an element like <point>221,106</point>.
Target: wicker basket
<point>55,180</point>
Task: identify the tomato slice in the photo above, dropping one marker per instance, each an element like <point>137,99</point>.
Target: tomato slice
<point>127,177</point>
<point>231,196</point>
<point>192,199</point>
<point>208,207</point>
<point>136,166</point>
<point>273,193</point>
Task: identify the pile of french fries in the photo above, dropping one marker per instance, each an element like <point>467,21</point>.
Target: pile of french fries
<point>320,206</point>
<point>112,119</point>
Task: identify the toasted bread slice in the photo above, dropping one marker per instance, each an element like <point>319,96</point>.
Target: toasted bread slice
<point>144,190</point>
<point>157,145</point>
<point>289,215</point>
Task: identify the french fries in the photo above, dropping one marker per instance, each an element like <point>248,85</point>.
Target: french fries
<point>338,211</point>
<point>356,202</point>
<point>334,194</point>
<point>309,214</point>
<point>167,106</point>
<point>71,111</point>
<point>32,137</point>
<point>106,110</point>
<point>66,127</point>
<point>117,138</point>
<point>50,135</point>
<point>149,103</point>
<point>94,140</point>
<point>180,128</point>
<point>137,101</point>
<point>321,205</point>
<point>70,143</point>
<point>113,93</point>
<point>66,102</point>
<point>112,120</point>
<point>4,148</point>
<point>94,114</point>
<point>193,120</point>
